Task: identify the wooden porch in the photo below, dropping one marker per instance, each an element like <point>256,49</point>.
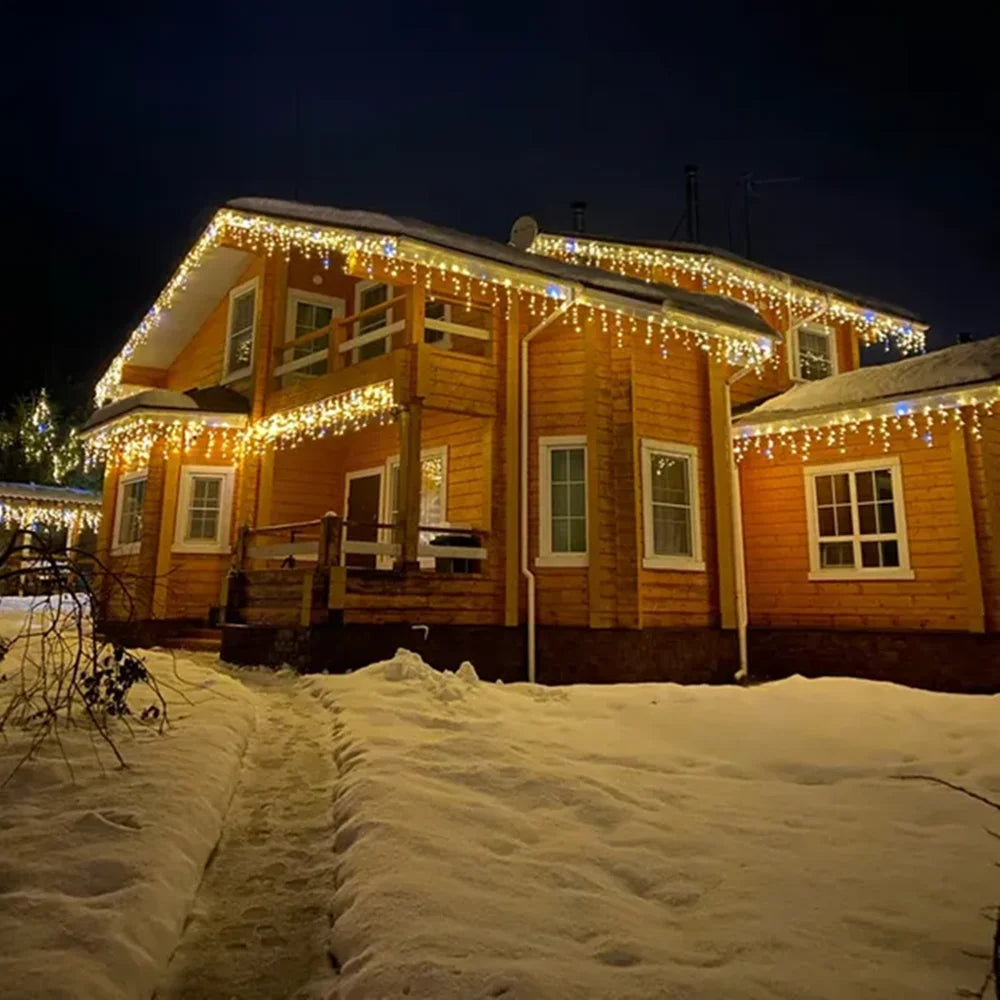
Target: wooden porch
<point>319,572</point>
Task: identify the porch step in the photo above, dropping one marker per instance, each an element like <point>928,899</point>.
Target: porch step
<point>195,640</point>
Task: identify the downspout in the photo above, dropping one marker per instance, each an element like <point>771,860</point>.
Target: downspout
<point>525,567</point>
<point>739,556</point>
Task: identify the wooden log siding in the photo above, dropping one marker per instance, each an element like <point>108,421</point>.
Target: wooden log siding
<point>984,481</point>
<point>777,540</point>
<point>671,403</point>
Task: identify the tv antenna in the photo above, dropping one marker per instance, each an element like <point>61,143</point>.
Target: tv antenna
<point>751,186</point>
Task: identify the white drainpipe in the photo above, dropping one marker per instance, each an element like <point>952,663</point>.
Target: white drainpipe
<point>525,567</point>
<point>739,555</point>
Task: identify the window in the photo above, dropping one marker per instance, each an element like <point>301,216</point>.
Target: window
<point>128,513</point>
<point>671,516</point>
<point>563,501</point>
<point>856,521</point>
<point>306,314</point>
<point>435,315</point>
<point>814,353</point>
<point>203,509</point>
<point>242,320</point>
<point>369,294</point>
<point>433,493</point>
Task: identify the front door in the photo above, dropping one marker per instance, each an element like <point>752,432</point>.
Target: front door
<point>364,502</point>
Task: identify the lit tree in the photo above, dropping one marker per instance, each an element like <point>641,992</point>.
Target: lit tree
<point>37,446</point>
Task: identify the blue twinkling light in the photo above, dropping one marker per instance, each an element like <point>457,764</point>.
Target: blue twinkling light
<point>902,409</point>
<point>554,291</point>
<point>571,246</point>
<point>869,316</point>
<point>389,248</point>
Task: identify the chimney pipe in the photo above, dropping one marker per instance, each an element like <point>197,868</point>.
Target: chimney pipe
<point>579,216</point>
<point>965,337</point>
<point>691,202</point>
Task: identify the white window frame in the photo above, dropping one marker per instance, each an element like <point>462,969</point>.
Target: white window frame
<point>794,358</point>
<point>221,543</point>
<point>353,344</point>
<point>651,560</point>
<point>235,293</point>
<point>858,572</point>
<point>546,557</point>
<point>129,548</point>
<point>295,296</point>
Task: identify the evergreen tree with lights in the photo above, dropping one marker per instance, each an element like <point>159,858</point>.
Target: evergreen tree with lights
<point>38,446</point>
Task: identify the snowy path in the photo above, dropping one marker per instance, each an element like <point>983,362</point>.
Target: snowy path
<point>260,921</point>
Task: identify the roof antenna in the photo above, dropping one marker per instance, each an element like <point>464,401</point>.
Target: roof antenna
<point>579,216</point>
<point>691,202</point>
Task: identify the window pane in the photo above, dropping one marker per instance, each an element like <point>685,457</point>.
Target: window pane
<point>560,500</point>
<point>866,518</point>
<point>824,489</point>
<point>669,478</point>
<point>890,553</point>
<point>578,535</point>
<point>242,316</point>
<point>373,350</point>
<point>883,484</point>
<point>886,518</point>
<point>373,296</point>
<point>863,483</point>
<point>836,554</point>
<point>827,525</point>
<point>845,523</point>
<point>814,354</point>
<point>576,464</point>
<point>671,531</point>
<point>869,554</point>
<point>560,535</point>
<point>559,465</point>
<point>577,499</point>
<point>841,488</point>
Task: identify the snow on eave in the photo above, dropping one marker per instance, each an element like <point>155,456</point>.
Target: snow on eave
<point>52,494</point>
<point>808,285</point>
<point>962,370</point>
<point>736,318</point>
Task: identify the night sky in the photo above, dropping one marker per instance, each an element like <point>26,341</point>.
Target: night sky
<point>123,133</point>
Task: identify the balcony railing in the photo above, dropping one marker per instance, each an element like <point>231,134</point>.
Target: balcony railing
<point>448,323</point>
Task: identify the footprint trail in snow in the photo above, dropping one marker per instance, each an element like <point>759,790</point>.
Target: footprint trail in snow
<point>260,923</point>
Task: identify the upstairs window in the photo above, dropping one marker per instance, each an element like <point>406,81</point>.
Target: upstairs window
<point>128,513</point>
<point>203,509</point>
<point>563,501</point>
<point>856,521</point>
<point>671,516</point>
<point>308,313</point>
<point>815,353</point>
<point>242,322</point>
<point>368,295</point>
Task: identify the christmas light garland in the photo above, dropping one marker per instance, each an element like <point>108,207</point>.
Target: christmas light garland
<point>735,281</point>
<point>23,514</point>
<point>876,424</point>
<point>412,262</point>
<point>131,438</point>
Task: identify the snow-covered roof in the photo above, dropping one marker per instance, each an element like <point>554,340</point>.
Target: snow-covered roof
<point>700,249</point>
<point>216,399</point>
<point>707,307</point>
<point>50,494</point>
<point>961,366</point>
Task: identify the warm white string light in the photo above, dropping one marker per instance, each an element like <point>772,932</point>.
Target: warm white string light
<point>735,281</point>
<point>22,514</point>
<point>915,420</point>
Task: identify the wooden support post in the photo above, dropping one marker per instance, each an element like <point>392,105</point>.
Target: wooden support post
<point>408,528</point>
<point>511,464</point>
<point>414,309</point>
<point>168,516</point>
<point>971,570</point>
<point>306,608</point>
<point>240,549</point>
<point>722,481</point>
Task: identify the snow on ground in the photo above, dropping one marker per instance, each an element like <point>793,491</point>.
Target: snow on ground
<point>97,874</point>
<point>652,840</point>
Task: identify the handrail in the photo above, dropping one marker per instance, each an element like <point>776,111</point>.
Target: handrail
<point>328,330</point>
<point>266,528</point>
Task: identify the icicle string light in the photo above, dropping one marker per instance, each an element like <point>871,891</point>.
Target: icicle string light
<point>411,262</point>
<point>15,513</point>
<point>132,438</point>
<point>917,421</point>
<point>735,281</point>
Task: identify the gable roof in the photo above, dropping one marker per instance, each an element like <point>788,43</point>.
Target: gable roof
<point>709,307</point>
<point>49,494</point>
<point>217,400</point>
<point>964,366</point>
<point>698,249</point>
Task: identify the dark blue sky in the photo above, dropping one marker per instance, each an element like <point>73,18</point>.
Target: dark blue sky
<point>125,131</point>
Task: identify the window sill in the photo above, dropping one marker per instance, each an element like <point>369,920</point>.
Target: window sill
<point>201,550</point>
<point>674,563</point>
<point>859,576</point>
<point>563,559</point>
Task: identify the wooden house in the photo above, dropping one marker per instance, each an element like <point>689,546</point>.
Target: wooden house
<point>339,432</point>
